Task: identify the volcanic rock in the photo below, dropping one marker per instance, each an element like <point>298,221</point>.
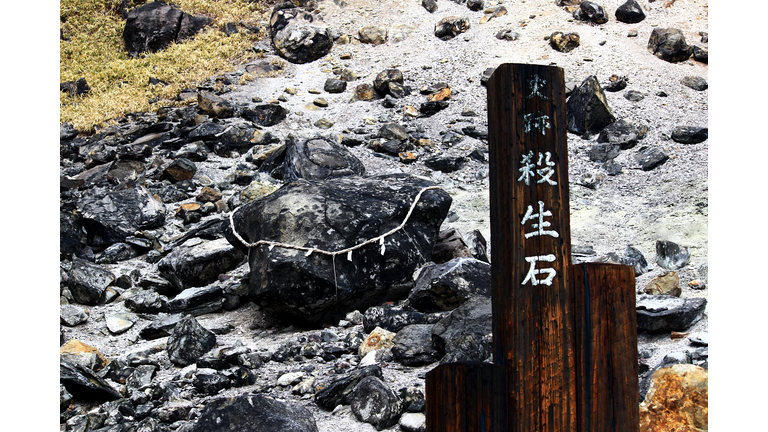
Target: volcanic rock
<point>374,402</point>
<point>110,217</point>
<point>677,400</point>
<point>630,12</point>
<point>664,313</point>
<point>319,159</point>
<point>413,345</point>
<point>444,287</point>
<point>669,45</point>
<point>690,134</point>
<point>564,42</point>
<point>462,336</point>
<point>587,109</point>
<point>253,412</point>
<point>451,26</point>
<point>152,27</point>
<point>199,262</point>
<point>670,255</point>
<point>299,36</point>
<point>189,341</point>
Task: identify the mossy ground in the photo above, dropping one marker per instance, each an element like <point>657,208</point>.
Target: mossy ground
<point>92,48</point>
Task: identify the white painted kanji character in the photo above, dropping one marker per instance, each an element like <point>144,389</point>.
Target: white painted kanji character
<point>533,271</point>
<point>535,85</point>
<point>528,168</point>
<point>547,171</point>
<point>533,121</point>
<point>541,223</point>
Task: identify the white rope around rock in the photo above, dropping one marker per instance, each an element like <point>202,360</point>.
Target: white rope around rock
<point>310,250</point>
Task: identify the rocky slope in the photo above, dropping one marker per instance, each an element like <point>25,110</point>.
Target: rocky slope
<point>610,210</point>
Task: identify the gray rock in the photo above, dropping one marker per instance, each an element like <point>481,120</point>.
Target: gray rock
<point>319,159</point>
<point>445,162</point>
<point>333,85</point>
<point>110,217</point>
<point>256,413</point>
<point>372,401</point>
<point>429,5</point>
<point>690,134</point>
<point>635,258</point>
<point>650,157</point>
<point>670,255</point>
<point>299,36</point>
<point>87,282</point>
<point>587,109</point>
<point>199,262</point>
<point>161,327</point>
<point>120,322</point>
<point>665,313</point>
<point>141,377</point>
<point>210,383</point>
<point>604,151</point>
<point>413,422</point>
<point>71,237</point>
<point>444,287</point>
<point>71,315</point>
<point>507,34</point>
<point>146,301</point>
<point>265,115</point>
<point>413,345</point>
<point>622,133</point>
<point>386,77</point>
<point>669,45</point>
<point>591,11</point>
<point>189,341</point>
<point>695,82</point>
<point>451,26</point>
<point>395,319</point>
<point>192,298</point>
<point>333,215</point>
<point>82,383</point>
<point>373,34</point>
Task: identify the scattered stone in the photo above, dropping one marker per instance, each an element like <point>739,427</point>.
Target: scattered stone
<point>690,134</point>
<point>154,26</point>
<point>669,45</point>
<point>666,284</point>
<point>449,245</point>
<point>299,36</point>
<point>179,170</point>
<point>664,313</point>
<point>634,96</point>
<point>462,336</point>
<point>413,422</point>
<point>650,157</point>
<point>75,88</point>
<point>199,262</point>
<point>385,78</point>
<point>671,256</point>
<point>82,383</point>
<point>445,163</point>
<point>444,287</point>
<point>475,5</point>
<point>253,412</point>
<point>413,345</point>
<point>265,115</point>
<point>395,319</point>
<point>319,159</point>
<point>564,42</point>
<point>492,13</point>
<point>700,54</point>
<point>616,83</point>
<point>374,402</point>
<point>121,322</point>
<point>196,152</point>
<point>587,109</point>
<point>378,339</point>
<point>192,298</point>
<point>591,11</point>
<point>145,301</point>
<point>604,152</point>
<point>450,26</point>
<point>87,282</point>
<point>695,82</point>
<point>364,92</point>
<point>215,106</point>
<point>635,258</point>
<point>621,133</point>
<point>110,217</point>
<point>331,215</point>
<point>84,355</point>
<point>677,400</point>
<point>430,5</point>
<point>371,34</point>
<point>189,341</point>
<point>336,390</point>
<point>630,12</point>
<point>71,315</point>
<point>432,107</point>
<point>333,85</point>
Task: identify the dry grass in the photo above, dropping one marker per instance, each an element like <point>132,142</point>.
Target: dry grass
<point>119,84</point>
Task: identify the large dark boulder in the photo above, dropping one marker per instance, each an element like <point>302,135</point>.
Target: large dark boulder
<point>199,262</point>
<point>444,287</point>
<point>299,36</point>
<point>463,335</point>
<point>154,26</point>
<point>333,215</point>
<point>413,345</point>
<point>587,109</point>
<point>669,45</point>
<point>82,383</point>
<point>189,341</point>
<point>372,401</point>
<point>87,281</point>
<point>255,413</point>
<point>110,217</point>
<point>335,391</point>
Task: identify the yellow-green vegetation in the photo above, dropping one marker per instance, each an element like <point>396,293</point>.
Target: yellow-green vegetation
<point>120,84</point>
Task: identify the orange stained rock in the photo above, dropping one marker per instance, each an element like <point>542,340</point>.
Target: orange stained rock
<point>677,400</point>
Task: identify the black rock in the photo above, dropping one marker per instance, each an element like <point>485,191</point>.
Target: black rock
<point>462,336</point>
<point>634,96</point>
<point>337,389</point>
<point>413,399</point>
<point>665,313</point>
<point>299,36</point>
<point>650,157</point>
<point>449,245</point>
<point>87,282</point>
<point>444,287</point>
<point>451,26</point>
<point>486,76</point>
<point>334,215</point>
<point>146,301</point>
<point>319,159</point>
<point>413,345</point>
<point>635,258</point>
<point>333,85</point>
<point>695,82</point>
<point>152,27</point>
<point>265,115</point>
<point>671,256</point>
<point>71,236</point>
<point>393,131</point>
<point>161,327</point>
<point>199,262</point>
<point>591,11</point>
<point>430,5</point>
<point>587,109</point>
<point>630,12</point>
<point>240,138</point>
<point>690,134</point>
<point>700,54</point>
<point>110,217</point>
<point>564,42</point>
<point>193,297</point>
<point>82,383</point>
<point>395,319</point>
<point>603,152</point>
<point>669,45</point>
<point>615,83</point>
<point>255,413</point>
<point>189,341</point>
<point>475,5</point>
<point>612,167</point>
<point>445,163</point>
<point>75,88</point>
<point>384,78</point>
<point>621,133</point>
<point>210,383</point>
<point>206,131</point>
<point>372,401</point>
<point>477,245</point>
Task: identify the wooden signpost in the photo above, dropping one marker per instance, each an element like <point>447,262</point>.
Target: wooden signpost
<point>564,336</point>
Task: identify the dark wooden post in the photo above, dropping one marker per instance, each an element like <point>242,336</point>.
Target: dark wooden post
<point>606,341</point>
<point>530,246</point>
